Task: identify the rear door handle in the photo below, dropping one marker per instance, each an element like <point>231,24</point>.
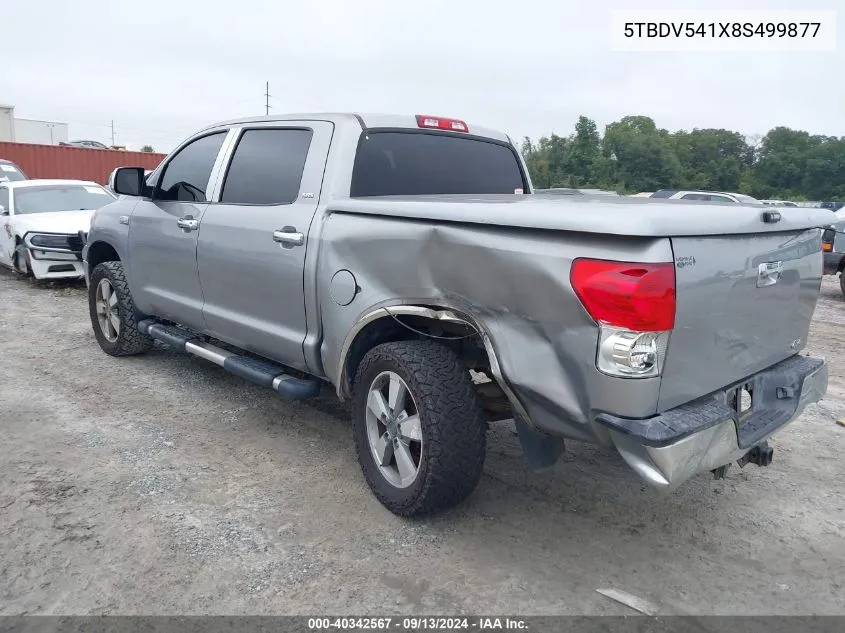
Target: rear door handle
<point>188,223</point>
<point>289,237</point>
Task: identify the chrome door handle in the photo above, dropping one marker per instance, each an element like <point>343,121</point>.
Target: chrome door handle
<point>188,223</point>
<point>288,237</point>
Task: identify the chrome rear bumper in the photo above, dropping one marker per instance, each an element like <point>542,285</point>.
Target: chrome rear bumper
<point>668,449</point>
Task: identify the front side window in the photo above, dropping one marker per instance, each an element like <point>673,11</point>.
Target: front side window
<point>267,167</point>
<point>186,175</point>
<point>52,198</point>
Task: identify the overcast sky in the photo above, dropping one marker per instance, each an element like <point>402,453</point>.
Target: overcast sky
<point>163,68</point>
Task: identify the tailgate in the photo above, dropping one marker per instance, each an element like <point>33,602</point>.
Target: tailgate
<point>744,302</point>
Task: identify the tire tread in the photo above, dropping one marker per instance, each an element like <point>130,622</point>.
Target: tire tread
<point>454,424</point>
<point>131,340</point>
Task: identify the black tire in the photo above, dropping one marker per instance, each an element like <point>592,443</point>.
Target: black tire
<point>842,283</point>
<point>22,261</point>
<point>129,339</point>
<point>451,418</point>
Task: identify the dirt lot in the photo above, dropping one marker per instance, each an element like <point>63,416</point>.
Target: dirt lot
<point>162,485</point>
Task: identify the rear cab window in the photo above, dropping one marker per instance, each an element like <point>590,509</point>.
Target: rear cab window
<point>411,162</point>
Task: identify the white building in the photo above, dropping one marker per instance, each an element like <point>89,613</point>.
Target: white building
<point>30,130</point>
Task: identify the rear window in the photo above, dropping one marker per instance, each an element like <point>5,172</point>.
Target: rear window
<point>415,163</point>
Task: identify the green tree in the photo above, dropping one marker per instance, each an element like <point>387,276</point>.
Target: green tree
<point>824,170</point>
<point>711,159</point>
<point>583,159</point>
<point>785,163</point>
<point>148,149</point>
<point>646,160</point>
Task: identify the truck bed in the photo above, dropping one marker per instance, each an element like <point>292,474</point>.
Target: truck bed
<point>639,217</point>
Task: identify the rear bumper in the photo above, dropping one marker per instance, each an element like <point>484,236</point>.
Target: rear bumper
<point>832,262</point>
<point>707,433</point>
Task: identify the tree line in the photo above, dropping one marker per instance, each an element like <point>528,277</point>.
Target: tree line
<point>635,155</point>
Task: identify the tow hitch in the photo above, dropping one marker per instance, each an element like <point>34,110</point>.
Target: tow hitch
<point>760,455</point>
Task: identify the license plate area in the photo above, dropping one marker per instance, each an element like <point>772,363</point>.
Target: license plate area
<point>741,400</point>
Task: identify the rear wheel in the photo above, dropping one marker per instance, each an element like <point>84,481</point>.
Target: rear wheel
<point>113,313</point>
<point>419,427</point>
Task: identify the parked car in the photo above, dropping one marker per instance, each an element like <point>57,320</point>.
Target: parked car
<point>567,191</point>
<point>778,203</point>
<point>833,206</point>
<point>88,144</point>
<point>43,220</point>
<point>598,192</point>
<point>9,172</point>
<point>559,191</point>
<point>833,247</point>
<point>388,257</point>
<point>706,196</point>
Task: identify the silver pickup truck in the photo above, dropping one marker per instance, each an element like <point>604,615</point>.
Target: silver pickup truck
<point>406,262</point>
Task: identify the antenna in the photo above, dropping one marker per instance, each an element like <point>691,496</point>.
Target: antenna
<point>267,99</point>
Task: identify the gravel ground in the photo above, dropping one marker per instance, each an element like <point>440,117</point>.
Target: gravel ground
<point>162,485</point>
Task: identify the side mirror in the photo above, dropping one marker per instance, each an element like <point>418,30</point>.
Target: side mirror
<point>128,181</point>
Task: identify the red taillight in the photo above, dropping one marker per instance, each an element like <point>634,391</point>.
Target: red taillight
<point>632,296</point>
<point>439,123</point>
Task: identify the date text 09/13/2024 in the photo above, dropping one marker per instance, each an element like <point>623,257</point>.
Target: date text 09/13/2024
<point>417,623</point>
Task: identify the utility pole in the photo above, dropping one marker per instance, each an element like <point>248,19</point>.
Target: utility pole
<point>267,99</point>
<point>112,132</point>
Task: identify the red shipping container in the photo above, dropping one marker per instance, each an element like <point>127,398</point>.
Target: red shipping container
<point>77,163</point>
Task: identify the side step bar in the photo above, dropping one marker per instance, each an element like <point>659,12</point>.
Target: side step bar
<point>259,371</point>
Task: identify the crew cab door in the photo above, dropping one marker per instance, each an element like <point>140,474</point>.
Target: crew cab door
<point>163,233</point>
<point>254,236</point>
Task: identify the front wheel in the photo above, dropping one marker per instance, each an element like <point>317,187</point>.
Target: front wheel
<point>842,283</point>
<point>113,314</point>
<point>22,260</point>
<point>419,427</point>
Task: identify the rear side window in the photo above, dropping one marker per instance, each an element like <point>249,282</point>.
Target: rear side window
<point>186,175</point>
<point>413,163</point>
<point>267,167</point>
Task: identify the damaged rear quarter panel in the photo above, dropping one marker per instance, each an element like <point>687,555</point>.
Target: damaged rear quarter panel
<point>514,283</point>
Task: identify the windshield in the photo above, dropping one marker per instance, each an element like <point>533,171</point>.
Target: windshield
<point>745,199</point>
<point>415,163</point>
<point>47,198</point>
